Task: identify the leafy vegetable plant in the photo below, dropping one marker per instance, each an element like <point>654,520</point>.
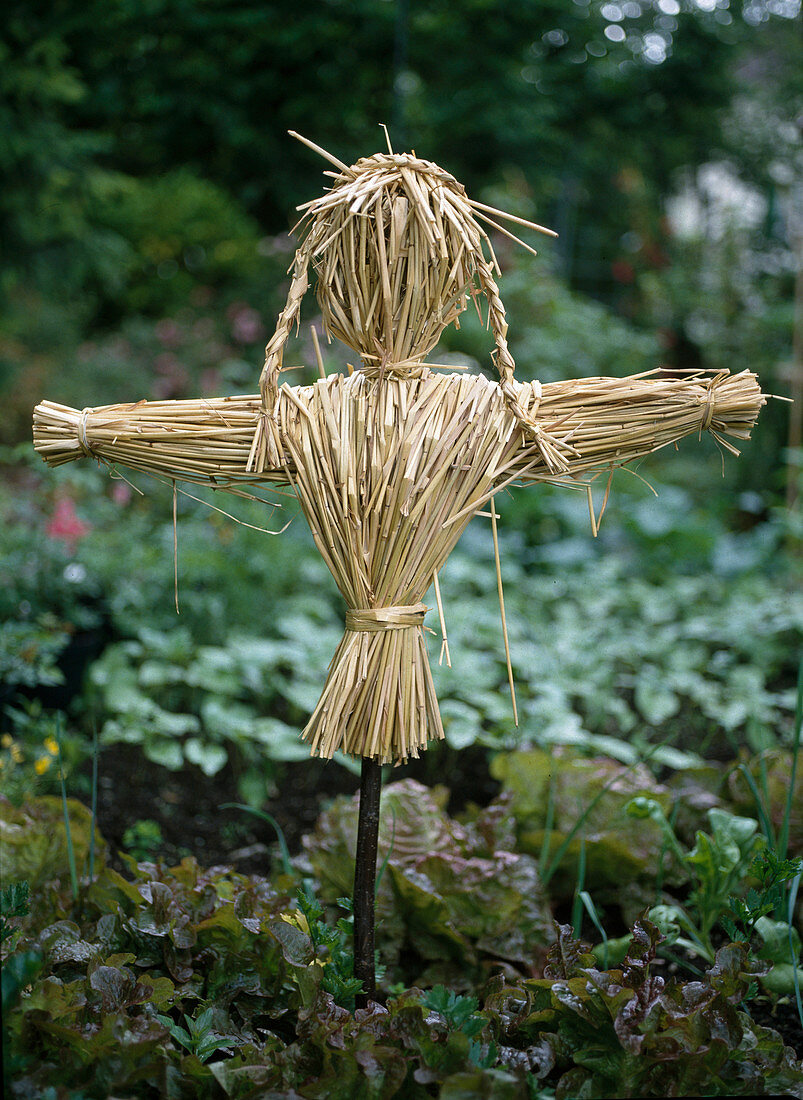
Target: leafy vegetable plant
<point>628,1032</point>
<point>337,974</point>
<point>460,1014</point>
<point>223,984</point>
<point>738,880</point>
<point>198,1036</point>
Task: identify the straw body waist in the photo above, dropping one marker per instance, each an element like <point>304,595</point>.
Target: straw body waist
<point>375,620</point>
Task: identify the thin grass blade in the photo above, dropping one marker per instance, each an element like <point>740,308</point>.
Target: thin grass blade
<point>591,909</point>
<point>287,866</point>
<point>94,801</point>
<point>783,839</point>
<point>790,917</point>
<point>67,827</point>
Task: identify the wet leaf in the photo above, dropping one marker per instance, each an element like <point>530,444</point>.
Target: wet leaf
<point>296,945</point>
<point>118,988</point>
<point>588,799</point>
<point>493,1084</point>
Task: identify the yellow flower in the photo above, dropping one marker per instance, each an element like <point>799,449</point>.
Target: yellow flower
<point>42,764</point>
<point>297,919</point>
<point>51,745</point>
<point>6,740</point>
<point>16,753</point>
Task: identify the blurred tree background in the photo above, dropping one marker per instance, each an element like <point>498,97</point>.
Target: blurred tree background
<point>147,170</point>
<point>148,187</point>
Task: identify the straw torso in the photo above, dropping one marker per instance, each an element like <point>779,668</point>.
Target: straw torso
<point>381,469</point>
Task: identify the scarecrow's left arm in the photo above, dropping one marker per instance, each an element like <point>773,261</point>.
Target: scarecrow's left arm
<point>205,441</point>
<point>594,423</point>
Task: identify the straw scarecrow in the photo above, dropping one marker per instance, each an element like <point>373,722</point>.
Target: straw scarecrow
<point>392,461</point>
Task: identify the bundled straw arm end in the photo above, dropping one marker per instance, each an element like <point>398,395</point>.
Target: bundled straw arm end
<point>205,441</point>
<point>613,421</point>
<point>58,431</point>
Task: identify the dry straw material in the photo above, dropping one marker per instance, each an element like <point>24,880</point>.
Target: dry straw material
<point>390,463</point>
<point>397,250</point>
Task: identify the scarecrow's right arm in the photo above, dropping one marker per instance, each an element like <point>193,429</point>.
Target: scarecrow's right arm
<point>591,423</point>
<point>206,441</point>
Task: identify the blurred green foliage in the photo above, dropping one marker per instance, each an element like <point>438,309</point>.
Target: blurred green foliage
<point>554,332</point>
<point>669,635</point>
<point>587,109</point>
<point>213,85</point>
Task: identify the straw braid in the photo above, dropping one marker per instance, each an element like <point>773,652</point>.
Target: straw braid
<point>266,449</point>
<point>549,448</point>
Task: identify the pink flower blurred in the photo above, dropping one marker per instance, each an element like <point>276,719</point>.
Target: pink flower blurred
<point>119,349</point>
<point>246,324</point>
<point>172,376</point>
<point>202,295</point>
<point>623,271</point>
<point>65,523</point>
<point>121,493</point>
<point>169,333</point>
<point>210,381</point>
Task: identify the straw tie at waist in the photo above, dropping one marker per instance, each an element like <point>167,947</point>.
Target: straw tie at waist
<point>375,620</point>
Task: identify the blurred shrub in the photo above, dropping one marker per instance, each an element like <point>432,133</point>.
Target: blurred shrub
<point>208,706</point>
<point>39,574</point>
<point>610,660</point>
<point>169,276</point>
<point>604,660</point>
<point>173,232</point>
<point>615,643</point>
<point>29,653</point>
<point>554,332</point>
<point>49,603</point>
<point>550,793</point>
<point>35,843</point>
<point>205,346</point>
<point>30,761</point>
<point>725,298</point>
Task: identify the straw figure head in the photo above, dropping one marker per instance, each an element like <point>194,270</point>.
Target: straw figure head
<point>398,250</point>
